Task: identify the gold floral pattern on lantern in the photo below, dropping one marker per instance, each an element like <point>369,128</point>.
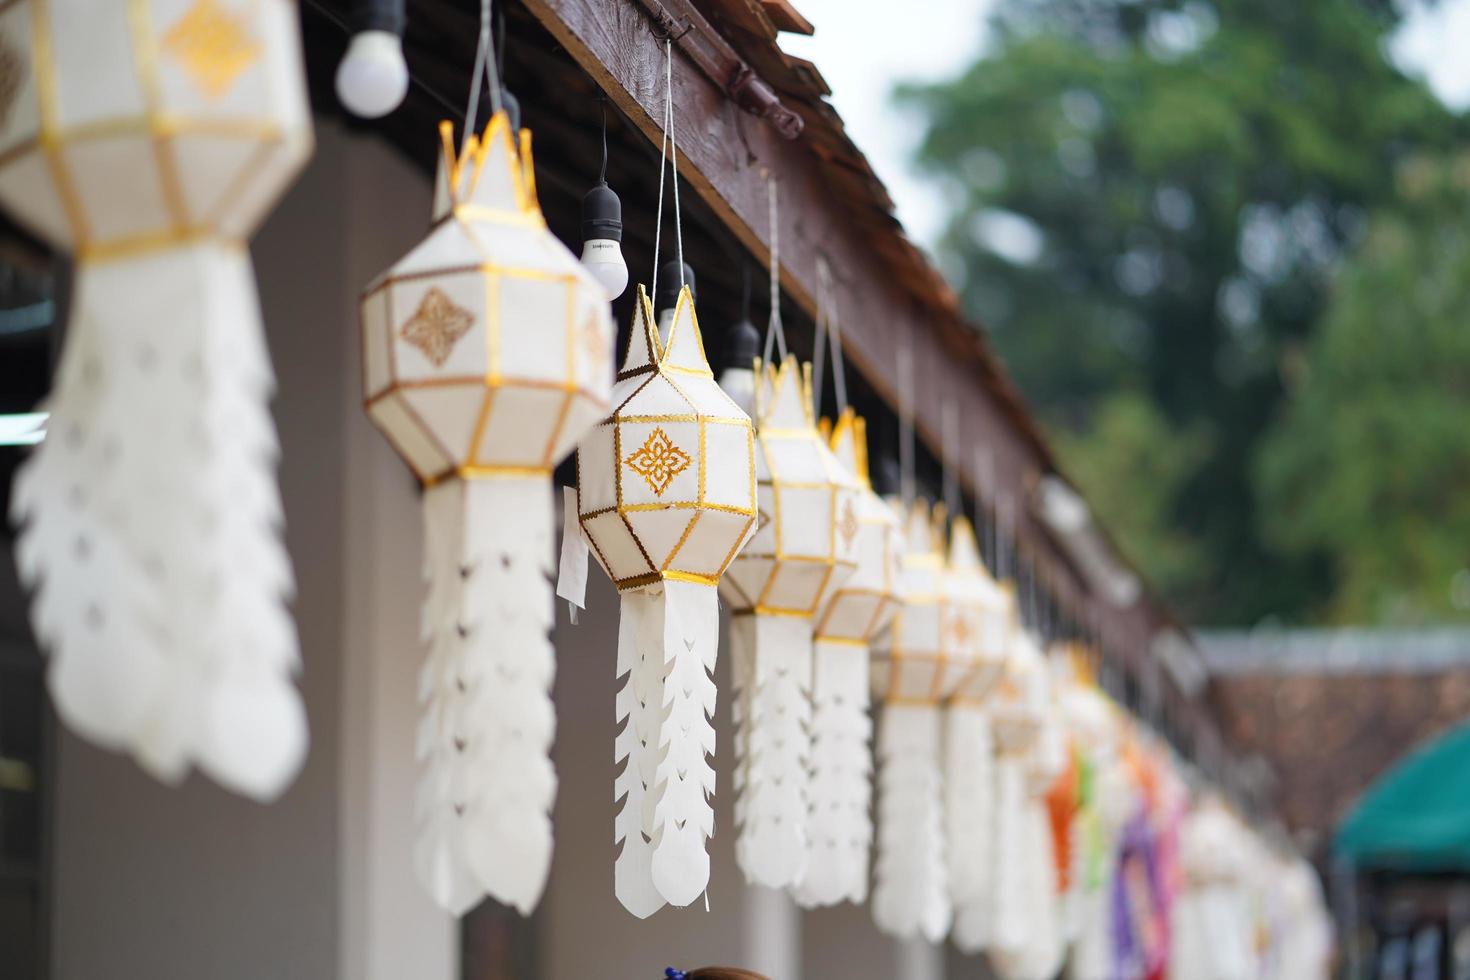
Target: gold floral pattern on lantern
<point>437,325</point>
<point>847,524</point>
<point>212,45</point>
<point>658,461</point>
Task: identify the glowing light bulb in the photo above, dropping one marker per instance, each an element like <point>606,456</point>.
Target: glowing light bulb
<point>372,79</point>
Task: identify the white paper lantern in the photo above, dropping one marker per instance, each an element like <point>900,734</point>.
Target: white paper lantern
<point>1026,931</point>
<point>151,138</point>
<point>840,826</point>
<point>979,618</point>
<point>910,891</point>
<point>804,547</point>
<point>666,498</point>
<point>487,353</point>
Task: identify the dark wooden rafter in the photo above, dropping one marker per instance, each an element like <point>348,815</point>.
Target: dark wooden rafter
<point>727,160</point>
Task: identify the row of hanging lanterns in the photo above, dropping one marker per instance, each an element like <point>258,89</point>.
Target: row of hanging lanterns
<point>1014,803</point>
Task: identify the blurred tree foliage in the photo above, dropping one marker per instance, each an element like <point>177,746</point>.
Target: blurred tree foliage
<point>1148,199</point>
<point>1371,461</point>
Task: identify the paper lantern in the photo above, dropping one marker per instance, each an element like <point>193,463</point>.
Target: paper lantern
<point>1026,932</point>
<point>840,827</point>
<point>666,498</point>
<point>150,138</point>
<point>804,546</point>
<point>487,352</point>
<point>910,892</point>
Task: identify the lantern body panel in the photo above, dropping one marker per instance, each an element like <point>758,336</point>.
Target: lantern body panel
<point>133,124</point>
<point>977,618</point>
<point>666,483</point>
<point>486,348</point>
<point>908,658</point>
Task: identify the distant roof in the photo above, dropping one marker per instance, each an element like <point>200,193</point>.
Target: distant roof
<point>1342,651</point>
<point>1332,710</point>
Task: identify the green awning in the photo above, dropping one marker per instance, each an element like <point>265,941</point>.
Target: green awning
<point>1416,816</point>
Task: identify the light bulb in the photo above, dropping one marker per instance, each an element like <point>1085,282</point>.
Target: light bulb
<point>373,77</point>
<point>739,384</point>
<point>602,236</point>
<point>603,257</point>
<point>742,347</point>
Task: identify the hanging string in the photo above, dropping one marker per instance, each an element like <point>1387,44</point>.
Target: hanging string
<point>602,104</point>
<point>829,329</point>
<point>948,473</point>
<point>485,73</point>
<point>774,330</point>
<point>984,492</point>
<point>906,423</point>
<point>668,152</point>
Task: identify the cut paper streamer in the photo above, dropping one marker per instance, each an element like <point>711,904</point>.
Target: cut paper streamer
<point>666,498</point>
<point>487,353</point>
<point>151,139</point>
<point>841,828</point>
<point>804,548</point>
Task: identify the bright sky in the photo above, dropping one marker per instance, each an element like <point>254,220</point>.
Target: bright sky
<point>862,53</point>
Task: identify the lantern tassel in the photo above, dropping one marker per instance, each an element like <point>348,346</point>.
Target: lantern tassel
<point>841,764</point>
<point>638,701</point>
<point>910,897</point>
<point>684,814</point>
<point>150,525</point>
<point>969,805</point>
<point>774,747</point>
<point>484,807</point>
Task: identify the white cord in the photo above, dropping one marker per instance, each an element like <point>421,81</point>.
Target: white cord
<point>906,423</point>
<point>774,329</point>
<point>485,69</point>
<point>668,149</point>
<point>828,330</point>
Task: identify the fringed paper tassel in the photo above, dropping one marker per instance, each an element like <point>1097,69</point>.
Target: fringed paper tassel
<point>639,714</point>
<point>1044,951</point>
<point>774,747</point>
<point>150,526</point>
<point>969,808</point>
<point>667,645</point>
<point>839,788</point>
<point>684,813</point>
<point>910,896</point>
<point>484,814</point>
<point>1012,925</point>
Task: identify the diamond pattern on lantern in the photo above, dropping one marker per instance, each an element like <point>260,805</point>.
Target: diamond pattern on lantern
<point>847,524</point>
<point>437,325</point>
<point>212,45</point>
<point>658,461</point>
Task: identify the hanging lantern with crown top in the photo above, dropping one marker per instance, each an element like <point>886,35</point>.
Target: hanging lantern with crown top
<point>487,354</point>
<point>910,894</point>
<point>151,139</point>
<point>804,547</point>
<point>852,614</point>
<point>1025,931</point>
<point>979,617</point>
<point>665,500</point>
